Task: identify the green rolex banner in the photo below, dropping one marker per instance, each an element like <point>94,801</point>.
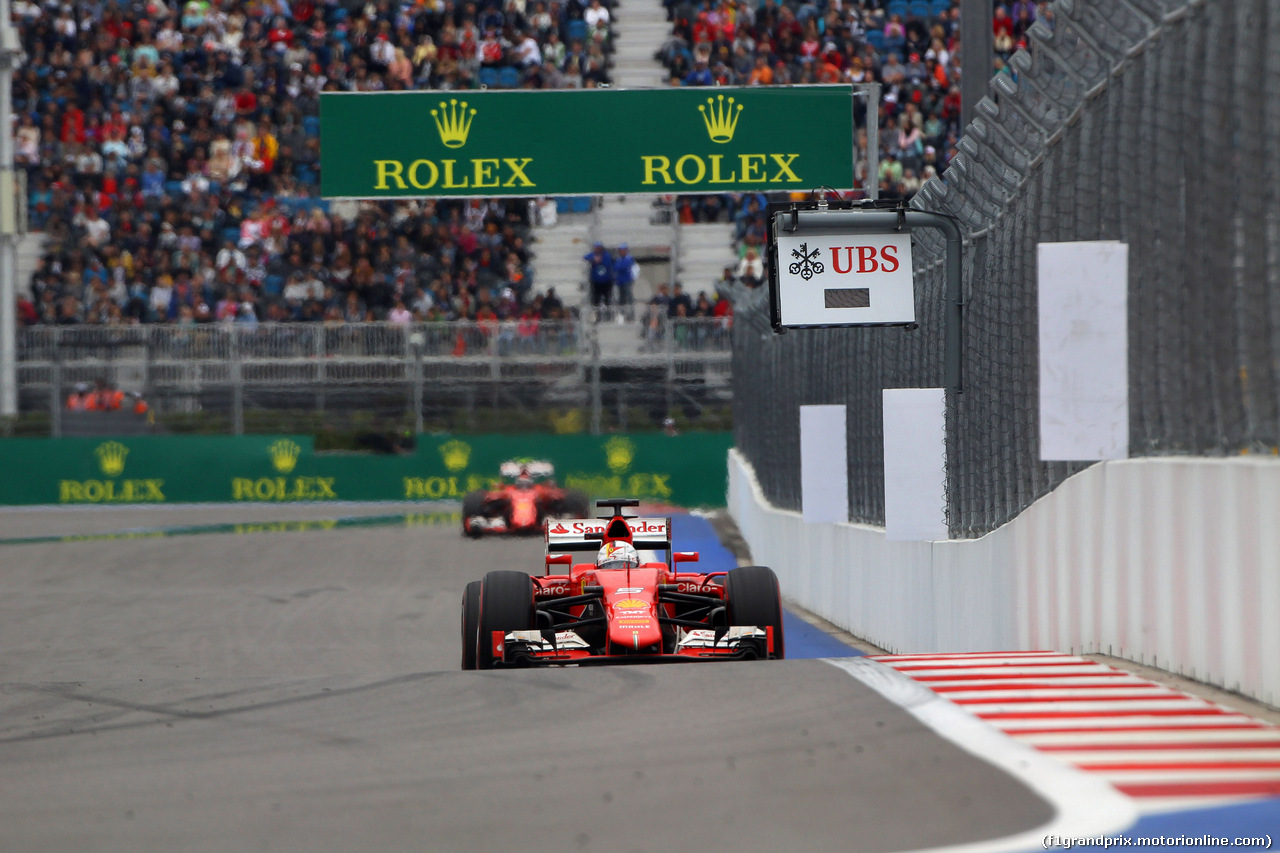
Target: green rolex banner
<point>585,142</point>
<point>684,470</point>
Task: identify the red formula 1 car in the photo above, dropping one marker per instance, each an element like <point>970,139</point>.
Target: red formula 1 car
<point>618,608</point>
<point>525,500</point>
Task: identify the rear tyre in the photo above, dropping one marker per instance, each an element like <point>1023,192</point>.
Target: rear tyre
<point>752,598</point>
<point>506,604</point>
<point>470,623</point>
<point>472,504</point>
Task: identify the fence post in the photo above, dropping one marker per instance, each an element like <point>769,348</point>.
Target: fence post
<point>872,122</point>
<point>237,384</point>
<point>317,350</point>
<point>673,267</point>
<point>55,386</point>
<point>668,351</point>
<point>416,340</point>
<point>594,367</point>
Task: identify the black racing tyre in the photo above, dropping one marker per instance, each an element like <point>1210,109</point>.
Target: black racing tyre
<point>472,504</point>
<point>506,604</point>
<point>752,598</point>
<point>470,623</point>
<point>576,504</point>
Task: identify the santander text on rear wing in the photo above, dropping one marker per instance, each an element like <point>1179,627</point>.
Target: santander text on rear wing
<point>585,534</point>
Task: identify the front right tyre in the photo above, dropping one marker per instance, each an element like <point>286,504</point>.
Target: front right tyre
<point>752,597</point>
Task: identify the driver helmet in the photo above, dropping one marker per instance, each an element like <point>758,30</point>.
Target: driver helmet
<point>524,478</point>
<point>617,555</point>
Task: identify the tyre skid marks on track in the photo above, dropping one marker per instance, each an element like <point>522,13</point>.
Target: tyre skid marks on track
<point>1163,748</point>
<point>166,712</point>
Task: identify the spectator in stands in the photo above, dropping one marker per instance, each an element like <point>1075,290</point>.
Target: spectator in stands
<point>104,398</point>
<point>700,74</point>
<point>202,118</point>
<point>750,269</point>
<point>854,42</point>
<point>600,275</point>
<point>78,399</point>
<point>625,272</point>
<point>680,305</point>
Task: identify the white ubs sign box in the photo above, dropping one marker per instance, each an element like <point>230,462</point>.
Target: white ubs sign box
<point>827,278</point>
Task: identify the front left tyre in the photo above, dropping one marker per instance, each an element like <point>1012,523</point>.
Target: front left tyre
<point>470,623</point>
<point>472,505</point>
<point>506,604</point>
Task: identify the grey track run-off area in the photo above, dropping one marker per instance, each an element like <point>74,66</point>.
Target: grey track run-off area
<point>300,691</point>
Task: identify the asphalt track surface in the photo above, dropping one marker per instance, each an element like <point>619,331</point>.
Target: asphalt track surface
<point>299,690</point>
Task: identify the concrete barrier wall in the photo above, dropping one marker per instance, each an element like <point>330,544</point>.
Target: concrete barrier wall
<point>1169,562</point>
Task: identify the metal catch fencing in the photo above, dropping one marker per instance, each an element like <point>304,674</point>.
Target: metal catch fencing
<point>1151,122</point>
<point>432,375</point>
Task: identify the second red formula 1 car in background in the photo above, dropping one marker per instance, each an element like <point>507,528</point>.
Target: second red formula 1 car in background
<point>619,607</point>
<point>527,497</point>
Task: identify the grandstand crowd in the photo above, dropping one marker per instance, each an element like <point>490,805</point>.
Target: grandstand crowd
<point>172,150</point>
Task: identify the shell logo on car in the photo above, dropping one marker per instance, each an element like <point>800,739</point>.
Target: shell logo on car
<point>631,604</point>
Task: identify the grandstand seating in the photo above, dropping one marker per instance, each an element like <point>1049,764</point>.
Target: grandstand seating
<point>166,214</point>
<point>153,235</point>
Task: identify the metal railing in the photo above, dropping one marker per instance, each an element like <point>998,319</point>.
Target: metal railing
<point>419,370</point>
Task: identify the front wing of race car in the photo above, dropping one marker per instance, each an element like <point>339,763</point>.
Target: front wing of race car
<point>565,647</point>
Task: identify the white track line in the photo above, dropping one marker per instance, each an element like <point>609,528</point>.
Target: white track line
<point>1085,805</point>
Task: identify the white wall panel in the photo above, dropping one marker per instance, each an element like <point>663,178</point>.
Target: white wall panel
<point>824,472</point>
<point>1084,350</point>
<point>1171,562</point>
<point>915,463</point>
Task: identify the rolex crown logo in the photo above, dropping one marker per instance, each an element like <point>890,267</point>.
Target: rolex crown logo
<point>721,117</point>
<point>284,455</point>
<point>619,452</point>
<point>453,121</point>
<point>111,458</point>
<point>455,454</point>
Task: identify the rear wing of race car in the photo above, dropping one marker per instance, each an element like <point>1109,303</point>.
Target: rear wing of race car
<point>586,534</point>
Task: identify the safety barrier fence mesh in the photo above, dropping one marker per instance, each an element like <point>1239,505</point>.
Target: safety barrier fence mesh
<point>434,375</point>
<point>1151,122</point>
